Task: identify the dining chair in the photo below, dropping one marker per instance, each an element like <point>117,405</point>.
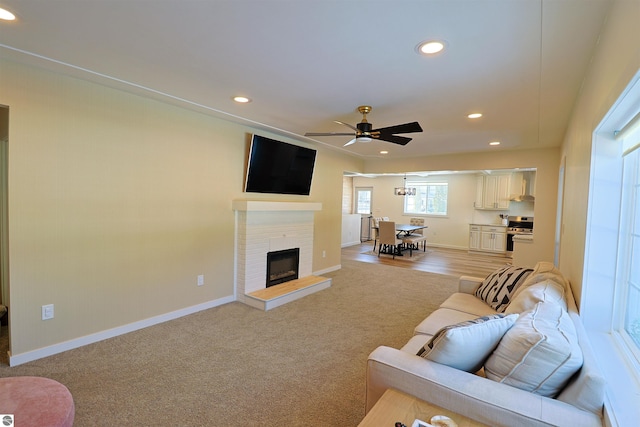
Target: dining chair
<point>376,231</point>
<point>389,242</point>
<point>414,239</point>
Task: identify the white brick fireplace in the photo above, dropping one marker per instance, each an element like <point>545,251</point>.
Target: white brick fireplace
<point>266,226</point>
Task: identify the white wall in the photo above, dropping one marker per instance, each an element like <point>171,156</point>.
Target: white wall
<point>351,229</point>
<point>615,61</point>
<point>118,202</point>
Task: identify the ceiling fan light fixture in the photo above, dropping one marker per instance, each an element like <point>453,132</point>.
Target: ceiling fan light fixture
<point>430,47</point>
<point>364,132</point>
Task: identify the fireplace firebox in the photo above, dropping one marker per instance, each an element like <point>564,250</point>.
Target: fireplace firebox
<point>282,266</point>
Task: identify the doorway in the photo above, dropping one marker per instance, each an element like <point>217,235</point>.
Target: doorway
<point>363,207</point>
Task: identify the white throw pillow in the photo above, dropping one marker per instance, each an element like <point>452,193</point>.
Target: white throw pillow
<point>539,353</point>
<point>527,298</point>
<point>467,345</point>
<point>498,287</point>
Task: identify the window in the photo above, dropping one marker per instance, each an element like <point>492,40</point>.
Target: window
<point>363,200</point>
<point>430,199</point>
<point>628,270</point>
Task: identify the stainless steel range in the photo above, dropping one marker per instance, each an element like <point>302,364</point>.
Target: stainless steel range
<point>518,225</point>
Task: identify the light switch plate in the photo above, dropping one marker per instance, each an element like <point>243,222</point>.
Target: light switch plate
<point>47,312</point>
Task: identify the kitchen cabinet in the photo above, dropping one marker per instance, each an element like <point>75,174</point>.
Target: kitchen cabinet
<point>493,192</point>
<point>474,237</point>
<point>488,238</point>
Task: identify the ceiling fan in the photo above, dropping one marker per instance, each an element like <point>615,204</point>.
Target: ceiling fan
<point>365,133</point>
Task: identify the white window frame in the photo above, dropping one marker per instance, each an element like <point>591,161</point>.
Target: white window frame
<point>356,200</point>
<point>419,184</point>
<point>602,297</point>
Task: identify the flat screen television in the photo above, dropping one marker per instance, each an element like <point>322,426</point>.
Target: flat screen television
<point>279,167</point>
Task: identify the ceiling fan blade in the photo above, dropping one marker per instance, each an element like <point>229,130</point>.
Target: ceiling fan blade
<point>404,128</point>
<point>346,124</point>
<point>400,140</point>
<point>328,134</point>
<point>350,142</point>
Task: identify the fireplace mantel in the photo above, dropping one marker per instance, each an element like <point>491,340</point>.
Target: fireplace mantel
<point>264,205</point>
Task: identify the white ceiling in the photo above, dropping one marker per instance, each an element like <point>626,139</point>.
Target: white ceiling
<point>306,63</point>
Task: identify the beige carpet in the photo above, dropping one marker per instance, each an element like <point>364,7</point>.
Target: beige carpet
<point>297,365</point>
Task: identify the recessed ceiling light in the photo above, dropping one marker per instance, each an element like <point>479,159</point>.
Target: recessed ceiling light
<point>241,99</point>
<point>384,152</point>
<point>475,115</point>
<point>5,15</point>
<point>494,143</point>
<point>430,47</point>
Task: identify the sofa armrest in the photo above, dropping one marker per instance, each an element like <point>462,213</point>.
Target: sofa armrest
<point>468,284</point>
<point>478,398</point>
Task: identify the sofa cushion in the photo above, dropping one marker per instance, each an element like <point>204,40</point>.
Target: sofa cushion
<point>498,287</point>
<point>545,291</point>
<point>415,344</point>
<point>466,345</point>
<point>586,389</point>
<point>441,318</point>
<point>467,303</point>
<point>544,271</point>
<point>539,353</point>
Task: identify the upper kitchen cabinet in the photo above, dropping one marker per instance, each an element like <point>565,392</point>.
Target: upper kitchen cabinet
<point>493,191</point>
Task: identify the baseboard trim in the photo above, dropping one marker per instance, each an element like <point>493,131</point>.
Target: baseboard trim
<point>327,270</point>
<point>30,356</point>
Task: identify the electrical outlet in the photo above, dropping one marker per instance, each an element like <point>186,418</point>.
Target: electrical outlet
<point>47,312</point>
<point>324,254</point>
<point>201,280</point>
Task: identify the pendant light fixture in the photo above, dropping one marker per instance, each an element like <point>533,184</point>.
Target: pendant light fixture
<point>404,191</point>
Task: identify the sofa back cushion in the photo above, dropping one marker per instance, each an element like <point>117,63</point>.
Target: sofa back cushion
<point>545,291</point>
<point>540,353</point>
<point>544,271</point>
<point>498,287</point>
<point>587,387</point>
<point>467,345</point>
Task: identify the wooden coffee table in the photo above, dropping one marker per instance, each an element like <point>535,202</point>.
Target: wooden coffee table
<point>396,406</point>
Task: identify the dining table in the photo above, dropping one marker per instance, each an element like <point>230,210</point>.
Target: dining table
<point>407,229</point>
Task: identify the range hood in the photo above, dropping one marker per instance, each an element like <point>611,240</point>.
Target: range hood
<point>526,193</point>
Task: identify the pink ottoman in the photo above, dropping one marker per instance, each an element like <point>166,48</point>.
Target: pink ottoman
<point>36,402</point>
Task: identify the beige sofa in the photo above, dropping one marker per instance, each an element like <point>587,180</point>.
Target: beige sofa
<point>513,387</point>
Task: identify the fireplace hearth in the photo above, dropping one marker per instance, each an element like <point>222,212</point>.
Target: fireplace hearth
<point>282,266</point>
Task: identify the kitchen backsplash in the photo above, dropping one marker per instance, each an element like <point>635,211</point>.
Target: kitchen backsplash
<point>493,217</point>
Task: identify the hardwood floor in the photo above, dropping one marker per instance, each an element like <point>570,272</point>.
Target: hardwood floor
<point>452,262</point>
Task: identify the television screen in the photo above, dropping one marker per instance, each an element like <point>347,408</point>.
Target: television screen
<point>279,167</point>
